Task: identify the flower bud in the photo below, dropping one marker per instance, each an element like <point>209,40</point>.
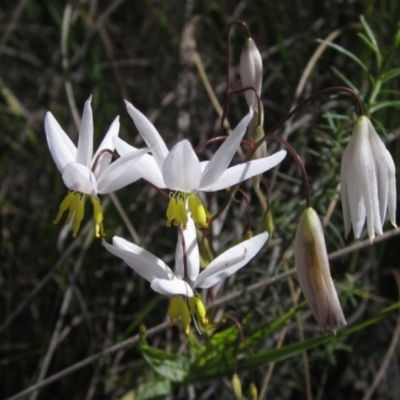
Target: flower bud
<point>253,392</point>
<point>250,70</point>
<point>312,267</point>
<point>236,386</point>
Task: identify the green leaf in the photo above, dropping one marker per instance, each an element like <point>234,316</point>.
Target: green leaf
<point>223,367</point>
<point>372,43</point>
<point>384,104</point>
<point>387,76</point>
<point>347,53</point>
<point>150,390</point>
<point>166,364</point>
<point>345,80</point>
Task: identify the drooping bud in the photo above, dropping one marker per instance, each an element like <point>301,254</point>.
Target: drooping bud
<point>250,69</point>
<point>313,271</point>
<point>253,392</point>
<point>236,387</point>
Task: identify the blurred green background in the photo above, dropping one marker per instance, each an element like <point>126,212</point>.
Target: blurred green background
<point>63,300</point>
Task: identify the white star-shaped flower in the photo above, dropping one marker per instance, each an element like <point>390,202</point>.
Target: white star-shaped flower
<point>86,175</point>
<point>182,283</point>
<point>368,181</point>
<point>181,171</point>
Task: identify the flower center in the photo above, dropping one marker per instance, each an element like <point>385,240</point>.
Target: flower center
<point>74,202</point>
<point>182,308</point>
<point>178,206</point>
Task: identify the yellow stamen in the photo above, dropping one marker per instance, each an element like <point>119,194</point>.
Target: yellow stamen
<point>64,206</point>
<point>72,207</point>
<point>198,211</point>
<point>97,217</point>
<point>171,210</point>
<point>74,203</point>
<point>179,310</point>
<point>197,307</point>
<point>181,214</point>
<point>79,213</point>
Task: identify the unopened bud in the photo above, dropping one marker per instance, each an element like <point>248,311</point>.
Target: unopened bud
<point>236,387</point>
<point>313,271</point>
<point>248,235</point>
<point>269,224</point>
<point>250,70</point>
<point>253,392</point>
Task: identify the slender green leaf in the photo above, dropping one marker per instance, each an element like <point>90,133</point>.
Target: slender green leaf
<point>345,80</point>
<point>384,104</point>
<point>216,370</point>
<point>347,53</point>
<point>387,76</point>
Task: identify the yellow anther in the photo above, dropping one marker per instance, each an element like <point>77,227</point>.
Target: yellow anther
<point>97,216</point>
<point>171,210</point>
<point>181,214</point>
<point>74,202</point>
<point>64,206</point>
<point>79,214</point>
<point>72,207</point>
<point>198,308</point>
<point>198,212</point>
<point>179,310</point>
<point>174,310</point>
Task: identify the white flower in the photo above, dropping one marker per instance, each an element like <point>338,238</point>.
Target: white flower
<point>182,283</point>
<point>368,181</point>
<point>181,171</point>
<point>312,267</point>
<point>251,70</point>
<point>86,175</point>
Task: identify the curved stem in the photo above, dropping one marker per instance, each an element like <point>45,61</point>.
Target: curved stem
<point>114,155</point>
<point>317,94</point>
<point>299,162</point>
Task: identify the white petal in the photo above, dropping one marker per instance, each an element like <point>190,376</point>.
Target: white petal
<point>149,134</point>
<point>362,183</point>
<point>121,146</point>
<point>79,178</point>
<point>386,170</point>
<point>61,147</point>
<point>85,141</point>
<point>241,172</point>
<point>344,168</point>
<point>223,156</point>
<point>106,144</point>
<point>146,167</point>
<point>140,260</point>
<point>171,288</point>
<point>232,260</point>
<point>313,271</point>
<point>119,173</point>
<point>181,170</point>
<point>191,251</point>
